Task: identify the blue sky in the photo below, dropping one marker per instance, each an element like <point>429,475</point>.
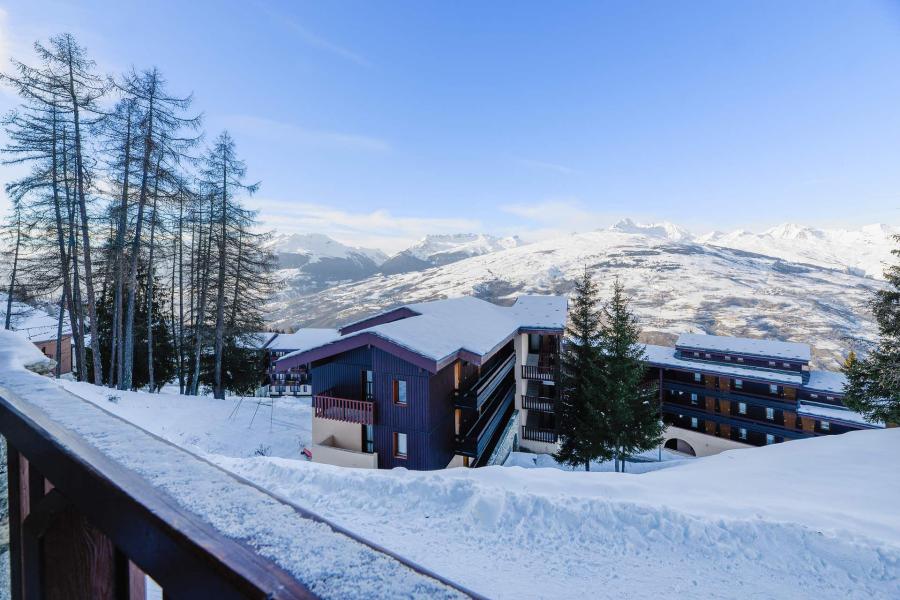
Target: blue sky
<point>378,122</point>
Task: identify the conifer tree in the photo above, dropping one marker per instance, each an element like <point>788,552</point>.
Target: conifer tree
<point>581,426</point>
<point>628,406</point>
<point>873,382</point>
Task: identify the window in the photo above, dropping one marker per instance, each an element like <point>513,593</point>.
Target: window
<point>400,445</point>
<point>742,433</point>
<point>693,398</point>
<point>825,425</point>
<point>368,381</point>
<point>770,439</point>
<point>697,354</point>
<point>400,392</point>
<point>698,377</point>
<point>770,414</point>
<point>739,359</point>
<point>829,398</point>
<point>708,355</point>
<point>738,384</point>
<point>534,343</point>
<point>694,422</point>
<point>773,389</point>
<point>772,363</point>
<point>369,438</point>
<point>813,395</point>
<point>727,357</point>
<point>742,408</point>
<point>786,365</point>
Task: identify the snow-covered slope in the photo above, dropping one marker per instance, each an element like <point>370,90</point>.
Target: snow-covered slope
<point>436,250</point>
<point>318,246</point>
<point>312,261</point>
<point>677,286</point>
<point>812,518</point>
<point>861,251</point>
<point>664,230</point>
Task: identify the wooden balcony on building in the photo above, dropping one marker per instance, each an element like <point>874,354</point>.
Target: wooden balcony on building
<point>538,403</point>
<point>540,367</point>
<point>344,409</point>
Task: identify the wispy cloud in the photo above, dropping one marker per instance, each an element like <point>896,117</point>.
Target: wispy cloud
<point>272,130</point>
<point>557,216</point>
<point>545,166</point>
<point>378,228</point>
<point>312,39</point>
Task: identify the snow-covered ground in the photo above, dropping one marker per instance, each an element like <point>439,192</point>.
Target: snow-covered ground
<point>205,425</point>
<point>652,460</point>
<point>813,518</point>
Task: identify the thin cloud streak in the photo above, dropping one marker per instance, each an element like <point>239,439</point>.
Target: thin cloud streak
<point>272,130</point>
<point>546,166</point>
<point>378,229</point>
<point>314,40</point>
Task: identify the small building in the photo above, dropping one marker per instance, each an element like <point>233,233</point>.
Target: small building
<point>41,328</point>
<point>717,393</point>
<point>435,384</point>
<point>294,381</point>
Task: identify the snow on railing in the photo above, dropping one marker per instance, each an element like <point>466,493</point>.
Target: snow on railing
<point>82,478</point>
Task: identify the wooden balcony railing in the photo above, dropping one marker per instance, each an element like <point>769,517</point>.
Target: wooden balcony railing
<point>96,505</point>
<point>539,435</point>
<point>344,409</point>
<point>538,403</point>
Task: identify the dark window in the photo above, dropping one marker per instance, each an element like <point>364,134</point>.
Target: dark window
<point>368,435</point>
<point>400,445</point>
<point>534,343</point>
<point>770,414</point>
<point>698,377</point>
<point>399,392</point>
<point>368,385</point>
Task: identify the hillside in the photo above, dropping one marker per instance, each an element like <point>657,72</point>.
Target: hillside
<point>678,284</point>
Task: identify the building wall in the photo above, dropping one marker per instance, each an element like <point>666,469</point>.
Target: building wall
<point>703,445</point>
<point>337,433</point>
<point>48,347</point>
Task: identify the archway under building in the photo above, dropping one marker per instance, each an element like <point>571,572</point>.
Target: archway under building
<point>679,445</point>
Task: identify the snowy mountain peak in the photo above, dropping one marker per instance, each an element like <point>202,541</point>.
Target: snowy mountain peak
<point>469,244</point>
<point>664,230</point>
<point>791,231</point>
<point>318,246</point>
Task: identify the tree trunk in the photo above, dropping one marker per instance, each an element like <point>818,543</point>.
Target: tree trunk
<point>61,242</point>
<point>220,296</point>
<point>76,308</point>
<point>201,306</point>
<point>128,358</point>
<point>115,353</point>
<point>150,272</point>
<point>15,266</point>
<point>85,234</point>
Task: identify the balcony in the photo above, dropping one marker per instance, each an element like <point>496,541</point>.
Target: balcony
<point>541,367</point>
<point>97,505</point>
<point>344,409</point>
<point>479,437</point>
<point>535,434</point>
<point>539,397</point>
<point>480,391</point>
<point>330,452</point>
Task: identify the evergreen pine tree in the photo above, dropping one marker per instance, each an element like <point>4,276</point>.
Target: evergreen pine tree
<point>628,400</point>
<point>873,382</point>
<point>581,427</point>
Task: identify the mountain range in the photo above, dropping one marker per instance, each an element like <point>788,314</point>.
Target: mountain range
<point>789,282</point>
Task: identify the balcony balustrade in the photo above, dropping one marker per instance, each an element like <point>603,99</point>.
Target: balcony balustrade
<point>535,434</point>
<point>344,409</point>
<point>538,403</point>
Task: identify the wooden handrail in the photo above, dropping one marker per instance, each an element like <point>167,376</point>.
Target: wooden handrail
<point>538,403</point>
<point>83,524</point>
<point>344,409</point>
<point>540,373</point>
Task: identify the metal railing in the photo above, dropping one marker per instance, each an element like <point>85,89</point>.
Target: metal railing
<point>536,434</point>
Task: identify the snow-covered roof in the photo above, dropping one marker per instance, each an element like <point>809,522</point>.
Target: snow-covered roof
<point>303,339</point>
<point>834,413</point>
<point>746,346</point>
<point>826,381</point>
<point>436,330</point>
<point>37,325</point>
<point>257,340</point>
<point>665,356</point>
